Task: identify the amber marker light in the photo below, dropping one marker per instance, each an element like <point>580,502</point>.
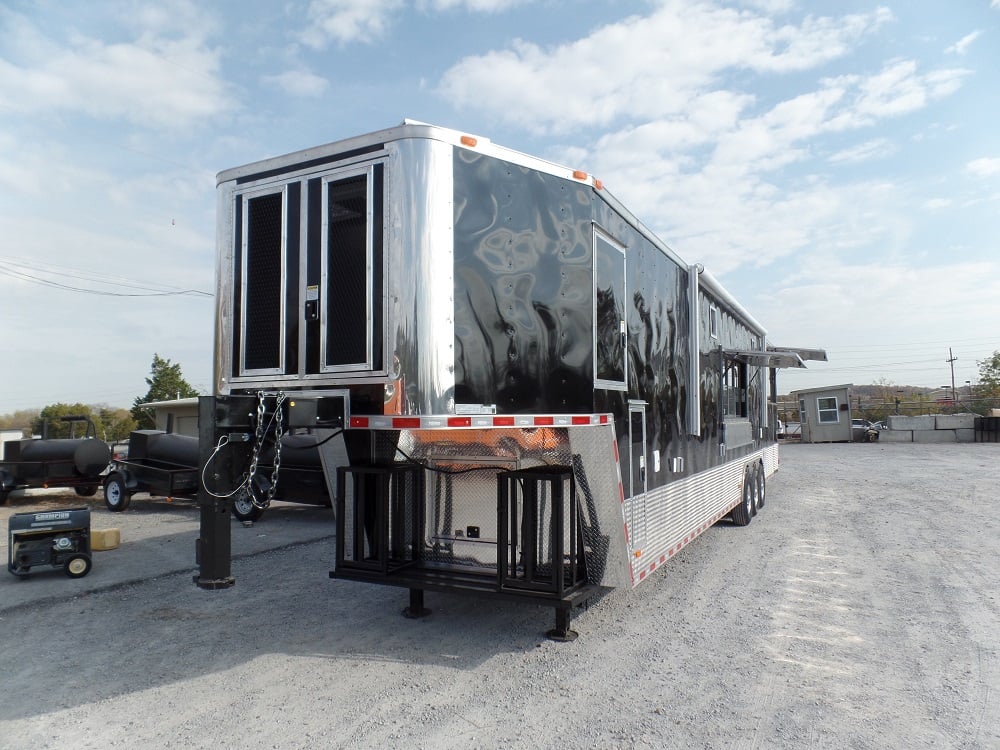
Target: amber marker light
<point>468,140</point>
<point>598,184</point>
<point>579,174</point>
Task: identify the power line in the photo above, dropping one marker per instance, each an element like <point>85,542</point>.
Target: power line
<point>14,270</point>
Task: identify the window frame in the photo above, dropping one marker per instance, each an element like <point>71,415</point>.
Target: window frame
<point>820,410</point>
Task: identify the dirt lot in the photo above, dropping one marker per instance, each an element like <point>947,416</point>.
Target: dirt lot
<point>861,609</point>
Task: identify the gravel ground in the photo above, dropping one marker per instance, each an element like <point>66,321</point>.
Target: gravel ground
<point>861,609</point>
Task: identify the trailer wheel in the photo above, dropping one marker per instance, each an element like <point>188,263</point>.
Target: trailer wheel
<point>116,494</point>
<point>743,512</point>
<point>88,491</point>
<point>3,496</point>
<point>78,565</point>
<point>244,508</point>
<point>761,485</point>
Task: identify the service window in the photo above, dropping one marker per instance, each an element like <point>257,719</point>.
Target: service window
<point>609,313</point>
<point>734,388</point>
<point>827,409</point>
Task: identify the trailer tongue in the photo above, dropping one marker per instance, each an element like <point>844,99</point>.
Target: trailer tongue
<point>516,390</point>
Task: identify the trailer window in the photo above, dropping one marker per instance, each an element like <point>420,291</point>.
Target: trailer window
<point>609,313</point>
<point>827,409</point>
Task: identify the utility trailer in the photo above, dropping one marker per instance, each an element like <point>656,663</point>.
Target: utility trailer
<point>517,390</point>
<point>166,464</point>
<point>160,463</point>
<point>55,462</point>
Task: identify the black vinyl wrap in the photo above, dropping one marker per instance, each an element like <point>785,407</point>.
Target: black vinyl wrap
<point>525,310</point>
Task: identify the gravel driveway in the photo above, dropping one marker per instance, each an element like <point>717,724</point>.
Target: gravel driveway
<point>861,609</point>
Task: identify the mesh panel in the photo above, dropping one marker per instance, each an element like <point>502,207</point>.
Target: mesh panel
<point>262,303</point>
<point>347,278</point>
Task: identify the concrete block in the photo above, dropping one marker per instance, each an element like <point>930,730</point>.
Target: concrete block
<point>895,436</point>
<point>934,436</point>
<point>994,413</point>
<point>903,422</point>
<point>105,539</point>
<point>966,436</point>
<point>955,422</point>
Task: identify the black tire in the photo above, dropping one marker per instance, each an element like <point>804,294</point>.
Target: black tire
<point>761,486</point>
<point>116,494</point>
<point>743,513</point>
<point>244,508</point>
<point>78,565</point>
<point>3,496</point>
<point>88,491</point>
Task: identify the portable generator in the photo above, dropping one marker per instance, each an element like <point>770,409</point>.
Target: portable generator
<point>60,538</point>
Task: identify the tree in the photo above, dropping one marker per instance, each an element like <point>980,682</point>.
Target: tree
<point>24,419</point>
<point>58,428</point>
<point>987,394</point>
<point>165,383</point>
<point>117,423</point>
<point>989,375</point>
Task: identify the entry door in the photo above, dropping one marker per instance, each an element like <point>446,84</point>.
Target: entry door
<point>637,474</point>
<point>637,448</point>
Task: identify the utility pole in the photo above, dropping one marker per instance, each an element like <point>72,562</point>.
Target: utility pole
<point>951,360</point>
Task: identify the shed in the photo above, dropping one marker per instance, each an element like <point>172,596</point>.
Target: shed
<point>825,413</point>
<point>178,415</point>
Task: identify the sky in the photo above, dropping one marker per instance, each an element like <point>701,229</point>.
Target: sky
<point>835,165</point>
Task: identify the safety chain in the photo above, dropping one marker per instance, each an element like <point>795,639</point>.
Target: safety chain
<point>259,436</point>
<point>278,432</point>
<point>258,439</point>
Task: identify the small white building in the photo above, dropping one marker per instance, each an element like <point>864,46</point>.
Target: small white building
<point>179,416</point>
<point>10,434</point>
<point>825,414</point>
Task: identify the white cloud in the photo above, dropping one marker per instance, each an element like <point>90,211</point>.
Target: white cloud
<point>985,167</point>
<point>478,6</point>
<point>877,148</point>
<point>154,80</point>
<point>345,21</point>
<point>936,204</point>
<point>348,20</point>
<point>899,89</point>
<point>962,45</point>
<point>298,83</point>
<point>661,62</point>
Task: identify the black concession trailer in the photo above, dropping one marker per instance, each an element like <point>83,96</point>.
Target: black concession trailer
<point>516,389</point>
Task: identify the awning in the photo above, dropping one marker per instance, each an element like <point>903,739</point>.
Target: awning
<point>816,355</point>
<point>770,358</point>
